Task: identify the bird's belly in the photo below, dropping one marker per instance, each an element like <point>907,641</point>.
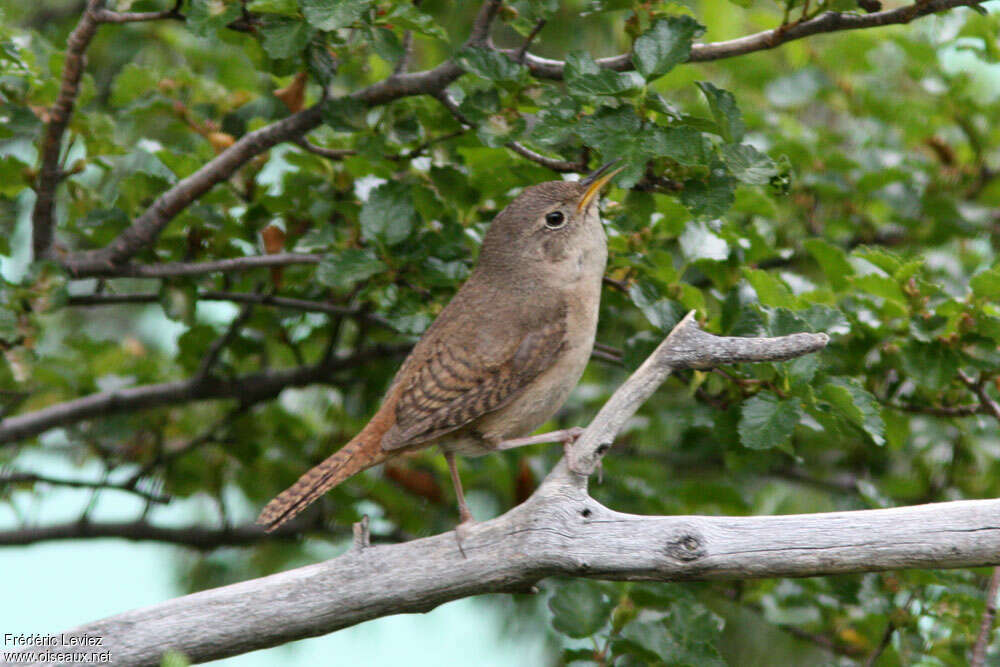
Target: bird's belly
<point>539,400</point>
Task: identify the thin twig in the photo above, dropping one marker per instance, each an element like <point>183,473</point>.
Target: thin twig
<point>215,349</point>
<point>554,164</point>
<point>196,537</point>
<point>328,153</point>
<point>978,387</point>
<point>403,63</point>
<point>235,297</point>
<point>890,630</point>
<point>522,52</point>
<point>986,625</point>
<point>33,478</point>
<point>232,265</point>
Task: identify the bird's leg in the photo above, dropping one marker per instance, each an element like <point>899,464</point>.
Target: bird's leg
<point>463,508</point>
<point>566,436</point>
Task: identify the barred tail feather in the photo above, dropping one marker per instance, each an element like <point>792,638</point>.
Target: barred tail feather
<point>364,451</point>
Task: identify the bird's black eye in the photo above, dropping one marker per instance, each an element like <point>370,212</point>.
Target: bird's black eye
<point>555,219</point>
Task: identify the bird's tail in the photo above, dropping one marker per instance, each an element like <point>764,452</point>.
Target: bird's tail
<point>364,451</point>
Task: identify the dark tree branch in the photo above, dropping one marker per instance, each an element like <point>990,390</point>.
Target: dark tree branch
<point>523,51</point>
<point>145,229</point>
<point>32,478</point>
<point>986,625</point>
<point>545,68</point>
<point>219,344</point>
<point>938,410</point>
<point>108,16</point>
<point>196,537</point>
<point>247,388</point>
<point>236,297</point>
<point>328,153</point>
<point>554,164</point>
<point>50,173</point>
<point>179,269</point>
<point>978,387</point>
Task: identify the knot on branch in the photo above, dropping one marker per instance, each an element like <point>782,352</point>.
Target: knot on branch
<point>686,547</point>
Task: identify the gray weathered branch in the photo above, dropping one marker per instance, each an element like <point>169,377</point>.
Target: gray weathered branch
<point>687,346</point>
<point>557,532</point>
<point>560,530</point>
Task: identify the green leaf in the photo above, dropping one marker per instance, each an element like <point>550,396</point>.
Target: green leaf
<point>665,44</point>
<point>683,144</point>
<point>204,17</point>
<point>344,270</point>
<point>132,82</point>
<point>711,197</point>
<point>725,111</point>
<point>284,7</point>
<point>883,259</point>
<point>388,215</point>
<point>932,366</point>
<point>748,164</point>
<point>585,78</point>
<point>686,637</point>
<point>832,260</point>
<point>579,609</point>
<point>661,313</point>
<point>880,286</point>
<point>856,404</point>
<point>345,114</point>
<point>489,64</point>
<point>768,421</point>
<point>332,14</point>
<point>770,289</point>
<point>284,37</point>
<point>986,284</point>
<point>407,16</point>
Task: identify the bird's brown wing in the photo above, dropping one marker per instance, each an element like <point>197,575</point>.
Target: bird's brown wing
<point>453,385</point>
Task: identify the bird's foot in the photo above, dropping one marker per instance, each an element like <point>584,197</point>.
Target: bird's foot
<point>462,531</point>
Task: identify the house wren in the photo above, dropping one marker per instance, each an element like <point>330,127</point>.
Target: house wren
<point>501,357</point>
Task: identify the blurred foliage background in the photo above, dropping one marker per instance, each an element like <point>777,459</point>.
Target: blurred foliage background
<point>844,183</point>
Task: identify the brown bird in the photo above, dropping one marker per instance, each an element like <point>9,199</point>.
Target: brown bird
<point>501,357</point>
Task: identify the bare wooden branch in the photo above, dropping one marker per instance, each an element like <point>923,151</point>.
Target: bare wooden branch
<point>556,532</point>
<point>546,68</point>
<point>687,346</point>
<point>50,172</point>
<point>247,388</point>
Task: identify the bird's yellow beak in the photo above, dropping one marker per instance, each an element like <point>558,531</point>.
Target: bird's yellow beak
<point>597,181</point>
